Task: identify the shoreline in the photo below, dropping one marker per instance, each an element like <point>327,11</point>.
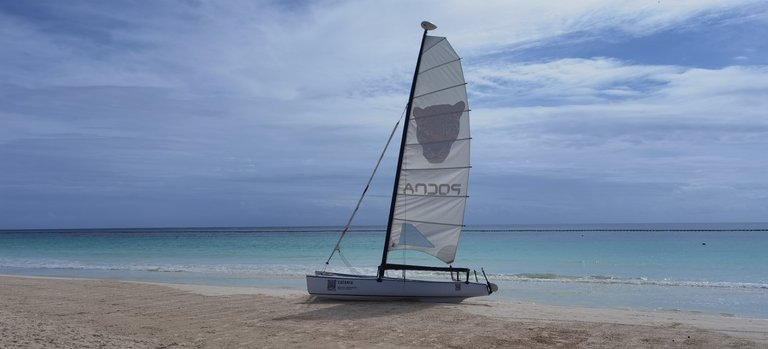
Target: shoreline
<point>279,290</point>
<point>53,311</point>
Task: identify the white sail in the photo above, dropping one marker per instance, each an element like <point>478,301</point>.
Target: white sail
<point>432,191</point>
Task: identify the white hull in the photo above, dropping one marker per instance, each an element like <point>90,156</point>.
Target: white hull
<point>354,287</point>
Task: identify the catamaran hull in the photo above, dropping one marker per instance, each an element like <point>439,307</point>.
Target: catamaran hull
<point>354,287</point>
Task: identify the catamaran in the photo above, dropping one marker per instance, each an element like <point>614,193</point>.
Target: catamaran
<point>429,193</point>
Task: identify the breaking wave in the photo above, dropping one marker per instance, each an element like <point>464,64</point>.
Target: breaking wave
<point>297,271</point>
<point>638,281</point>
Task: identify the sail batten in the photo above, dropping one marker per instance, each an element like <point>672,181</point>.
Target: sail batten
<point>431,190</point>
<point>437,168</point>
<point>431,45</point>
<point>440,223</point>
<point>438,66</point>
<point>440,114</point>
<point>439,196</point>
<point>440,90</point>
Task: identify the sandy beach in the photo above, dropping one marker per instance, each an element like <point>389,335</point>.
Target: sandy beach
<point>74,313</point>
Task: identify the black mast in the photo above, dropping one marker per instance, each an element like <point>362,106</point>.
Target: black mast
<point>383,266</point>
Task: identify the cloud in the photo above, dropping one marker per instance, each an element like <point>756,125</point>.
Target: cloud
<point>692,137</point>
<point>254,112</point>
<point>567,99</point>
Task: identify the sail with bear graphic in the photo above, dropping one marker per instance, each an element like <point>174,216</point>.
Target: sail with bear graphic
<point>430,189</point>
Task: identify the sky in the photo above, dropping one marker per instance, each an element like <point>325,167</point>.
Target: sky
<point>273,113</point>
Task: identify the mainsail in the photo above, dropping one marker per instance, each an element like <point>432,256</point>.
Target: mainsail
<point>431,187</point>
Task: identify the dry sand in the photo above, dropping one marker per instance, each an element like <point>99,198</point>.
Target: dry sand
<point>74,313</point>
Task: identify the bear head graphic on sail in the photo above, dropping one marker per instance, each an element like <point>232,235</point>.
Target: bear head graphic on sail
<point>437,128</point>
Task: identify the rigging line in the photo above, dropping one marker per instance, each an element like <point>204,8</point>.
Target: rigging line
<point>348,264</point>
<point>360,200</point>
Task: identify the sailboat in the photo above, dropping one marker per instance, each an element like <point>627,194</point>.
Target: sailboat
<point>429,193</point>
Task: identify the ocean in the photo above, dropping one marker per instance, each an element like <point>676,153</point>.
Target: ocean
<point>711,268</point>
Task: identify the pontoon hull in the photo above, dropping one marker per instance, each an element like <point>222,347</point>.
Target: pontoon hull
<point>354,287</point>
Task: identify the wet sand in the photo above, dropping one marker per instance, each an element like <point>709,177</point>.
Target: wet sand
<point>75,313</point>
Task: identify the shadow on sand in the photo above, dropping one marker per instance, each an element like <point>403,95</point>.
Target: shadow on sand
<point>326,309</point>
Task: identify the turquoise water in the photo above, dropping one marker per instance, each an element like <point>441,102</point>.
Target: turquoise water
<point>714,268</point>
